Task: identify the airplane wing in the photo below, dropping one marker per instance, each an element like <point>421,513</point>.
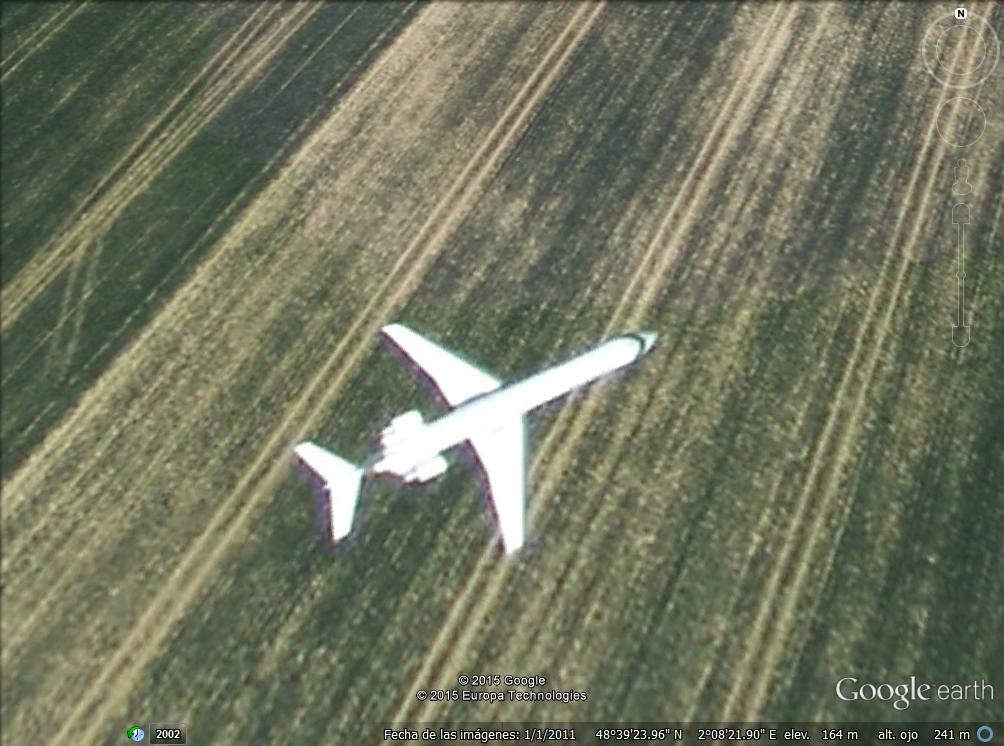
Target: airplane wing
<point>454,379</point>
<point>502,456</point>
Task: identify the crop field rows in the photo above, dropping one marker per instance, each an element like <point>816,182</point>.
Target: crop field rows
<point>209,212</point>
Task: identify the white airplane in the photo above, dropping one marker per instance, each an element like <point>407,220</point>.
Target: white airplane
<point>484,414</point>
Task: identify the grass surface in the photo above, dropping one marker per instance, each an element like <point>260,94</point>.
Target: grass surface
<point>210,210</point>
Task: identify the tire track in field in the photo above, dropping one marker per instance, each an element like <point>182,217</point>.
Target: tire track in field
<point>451,638</point>
<point>132,146</point>
<point>150,154</point>
<point>28,539</point>
<point>153,394</point>
<point>467,285</point>
<point>74,264</point>
<point>26,480</point>
<point>126,168</point>
<point>174,597</point>
<point>773,509</point>
<point>95,66</point>
<point>766,153</point>
<point>830,487</point>
<point>62,359</point>
<point>773,640</point>
<point>268,290</point>
<point>846,437</point>
<point>12,370</point>
<point>269,308</point>
<point>48,34</point>
<point>124,160</point>
<point>138,405</point>
<point>29,477</point>
<point>665,245</point>
<point>86,537</point>
<point>661,239</point>
<point>542,490</point>
<point>11,505</point>
<point>90,285</point>
<point>44,27</point>
<point>833,95</point>
<point>489,557</point>
<point>607,511</point>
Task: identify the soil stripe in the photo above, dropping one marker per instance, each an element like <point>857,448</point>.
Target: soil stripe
<point>113,684</point>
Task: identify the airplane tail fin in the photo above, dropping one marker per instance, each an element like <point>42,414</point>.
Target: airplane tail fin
<point>341,481</point>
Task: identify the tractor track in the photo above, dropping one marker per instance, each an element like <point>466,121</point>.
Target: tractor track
<point>778,604</point>
<point>194,569</point>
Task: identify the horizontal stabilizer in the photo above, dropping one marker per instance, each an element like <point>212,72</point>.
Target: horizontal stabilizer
<point>340,479</point>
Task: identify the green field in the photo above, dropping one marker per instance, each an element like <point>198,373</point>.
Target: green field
<point>209,211</point>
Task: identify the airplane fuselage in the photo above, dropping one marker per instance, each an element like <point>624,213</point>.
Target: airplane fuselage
<point>497,408</point>
<point>486,415</point>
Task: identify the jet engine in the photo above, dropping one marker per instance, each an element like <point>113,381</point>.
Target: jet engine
<point>427,471</point>
<point>400,428</point>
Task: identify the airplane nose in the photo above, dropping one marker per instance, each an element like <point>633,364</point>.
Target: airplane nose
<point>648,340</point>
